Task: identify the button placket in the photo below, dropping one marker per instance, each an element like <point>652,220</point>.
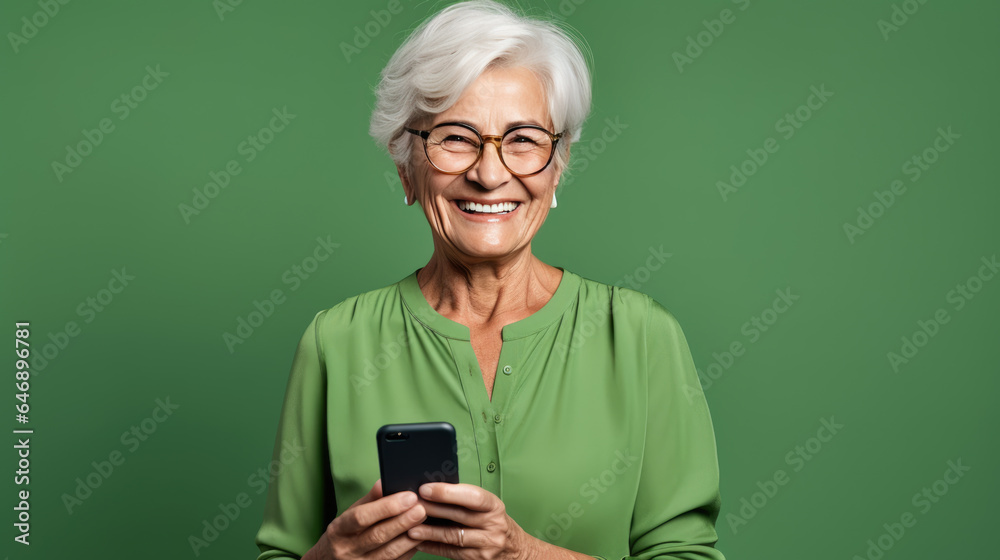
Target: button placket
<point>503,385</point>
<point>481,407</point>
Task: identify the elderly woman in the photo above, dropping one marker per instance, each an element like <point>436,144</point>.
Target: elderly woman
<point>582,428</point>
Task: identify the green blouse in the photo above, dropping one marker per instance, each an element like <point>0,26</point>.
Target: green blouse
<point>598,437</point>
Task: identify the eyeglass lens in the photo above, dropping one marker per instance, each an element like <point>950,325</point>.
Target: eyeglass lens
<point>455,148</point>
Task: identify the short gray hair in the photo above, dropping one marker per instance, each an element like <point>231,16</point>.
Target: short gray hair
<point>449,51</point>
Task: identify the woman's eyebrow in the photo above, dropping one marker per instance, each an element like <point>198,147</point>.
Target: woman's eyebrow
<point>508,126</point>
<point>523,122</point>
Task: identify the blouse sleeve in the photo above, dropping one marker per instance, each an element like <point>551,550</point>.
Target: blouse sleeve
<point>300,498</point>
<point>678,500</point>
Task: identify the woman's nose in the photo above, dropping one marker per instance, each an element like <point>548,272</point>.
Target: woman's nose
<point>490,171</point>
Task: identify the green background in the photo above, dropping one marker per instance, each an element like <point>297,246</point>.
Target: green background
<point>654,185</point>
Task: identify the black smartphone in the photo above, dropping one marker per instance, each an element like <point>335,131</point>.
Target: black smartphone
<point>412,454</point>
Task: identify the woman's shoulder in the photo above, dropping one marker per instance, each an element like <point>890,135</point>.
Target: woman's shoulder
<point>366,308</point>
<point>626,302</point>
<point>617,295</point>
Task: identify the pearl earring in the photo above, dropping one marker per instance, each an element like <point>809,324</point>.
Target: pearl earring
<point>553,200</point>
<point>405,201</point>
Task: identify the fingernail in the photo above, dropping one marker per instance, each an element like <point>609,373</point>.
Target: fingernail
<point>409,499</point>
<point>425,491</point>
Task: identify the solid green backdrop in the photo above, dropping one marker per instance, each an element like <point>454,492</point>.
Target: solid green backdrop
<point>820,175</point>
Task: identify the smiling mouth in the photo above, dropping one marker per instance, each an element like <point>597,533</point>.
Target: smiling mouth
<point>475,208</point>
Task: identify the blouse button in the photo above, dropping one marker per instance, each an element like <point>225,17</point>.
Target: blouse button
<point>491,467</point>
<point>497,418</point>
<point>507,369</point>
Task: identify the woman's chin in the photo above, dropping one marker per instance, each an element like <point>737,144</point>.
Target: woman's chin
<point>484,251</point>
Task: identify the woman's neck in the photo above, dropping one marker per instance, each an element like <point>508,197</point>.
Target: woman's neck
<point>488,293</point>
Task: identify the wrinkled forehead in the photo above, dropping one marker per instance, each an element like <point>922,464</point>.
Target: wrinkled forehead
<point>499,99</point>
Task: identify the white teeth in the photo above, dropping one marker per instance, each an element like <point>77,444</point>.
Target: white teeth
<point>488,209</point>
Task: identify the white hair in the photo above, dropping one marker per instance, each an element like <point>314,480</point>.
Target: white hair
<point>449,51</point>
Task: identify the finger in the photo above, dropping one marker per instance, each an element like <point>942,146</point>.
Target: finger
<point>400,548</point>
<point>359,518</point>
<point>388,532</point>
<point>458,514</point>
<point>465,495</point>
<point>453,536</point>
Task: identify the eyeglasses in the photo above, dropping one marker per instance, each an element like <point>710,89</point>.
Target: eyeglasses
<point>453,148</point>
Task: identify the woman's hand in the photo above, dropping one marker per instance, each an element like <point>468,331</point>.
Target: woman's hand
<point>489,533</point>
<point>373,528</point>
